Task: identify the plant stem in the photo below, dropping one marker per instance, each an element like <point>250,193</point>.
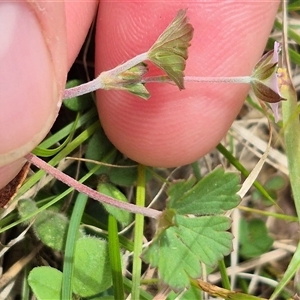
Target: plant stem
<point>115,258</point>
<point>84,88</point>
<point>70,245</point>
<point>106,76</point>
<point>149,212</point>
<point>235,79</point>
<point>138,235</point>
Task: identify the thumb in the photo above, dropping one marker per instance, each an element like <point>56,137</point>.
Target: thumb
<point>177,127</point>
<point>35,58</point>
<point>30,85</point>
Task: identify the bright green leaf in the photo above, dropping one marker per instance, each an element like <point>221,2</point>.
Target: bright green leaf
<point>92,274</point>
<point>214,194</point>
<point>179,250</point>
<point>169,52</point>
<point>45,282</point>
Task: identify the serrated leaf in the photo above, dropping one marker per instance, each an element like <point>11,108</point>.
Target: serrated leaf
<point>169,52</point>
<point>122,216</point>
<point>92,273</point>
<point>214,194</point>
<point>179,250</point>
<point>45,282</point>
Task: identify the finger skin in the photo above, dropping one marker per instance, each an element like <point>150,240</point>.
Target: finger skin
<point>39,42</point>
<point>177,127</point>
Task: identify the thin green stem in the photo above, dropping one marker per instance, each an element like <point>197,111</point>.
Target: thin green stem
<point>224,276</point>
<point>138,234</point>
<point>196,170</point>
<point>70,245</point>
<point>115,258</point>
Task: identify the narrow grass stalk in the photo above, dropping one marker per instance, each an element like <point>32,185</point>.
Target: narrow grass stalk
<point>70,245</point>
<point>235,162</point>
<point>291,128</point>
<point>224,276</point>
<point>138,234</point>
<point>115,258</point>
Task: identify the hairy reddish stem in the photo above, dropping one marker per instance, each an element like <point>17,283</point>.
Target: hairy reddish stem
<point>148,212</point>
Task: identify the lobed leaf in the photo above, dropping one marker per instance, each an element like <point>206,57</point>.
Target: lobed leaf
<point>170,50</point>
<point>183,243</point>
<point>214,194</point>
<point>180,249</point>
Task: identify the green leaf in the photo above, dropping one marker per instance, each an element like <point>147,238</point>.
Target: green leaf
<point>122,216</point>
<point>100,149</point>
<point>45,282</point>
<point>179,250</point>
<point>124,176</point>
<point>214,194</point>
<point>169,52</point>
<point>254,238</point>
<point>138,89</point>
<point>183,243</point>
<point>49,226</point>
<point>92,274</point>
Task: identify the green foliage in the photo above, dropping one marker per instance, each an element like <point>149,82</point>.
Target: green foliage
<point>214,194</point>
<point>254,238</point>
<point>169,52</point>
<point>49,226</point>
<point>100,149</point>
<point>45,283</point>
<point>92,274</point>
<point>187,241</point>
<point>122,216</point>
<point>124,176</point>
<point>273,185</point>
